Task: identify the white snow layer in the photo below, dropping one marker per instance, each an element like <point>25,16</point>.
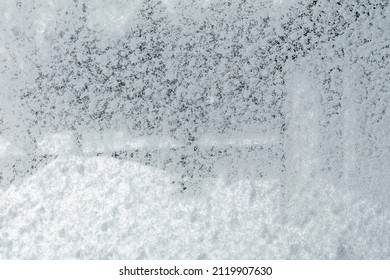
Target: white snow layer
<point>101,207</point>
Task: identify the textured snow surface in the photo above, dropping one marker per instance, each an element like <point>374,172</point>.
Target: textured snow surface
<point>195,129</point>
<point>101,207</point>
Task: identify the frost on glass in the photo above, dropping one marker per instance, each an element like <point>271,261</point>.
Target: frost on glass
<point>192,129</point>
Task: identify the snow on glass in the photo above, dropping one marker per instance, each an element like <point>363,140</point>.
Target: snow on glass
<point>194,129</point>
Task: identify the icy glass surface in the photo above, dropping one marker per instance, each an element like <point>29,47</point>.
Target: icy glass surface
<point>185,129</point>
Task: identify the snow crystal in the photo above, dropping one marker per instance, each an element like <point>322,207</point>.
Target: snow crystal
<point>194,129</point>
